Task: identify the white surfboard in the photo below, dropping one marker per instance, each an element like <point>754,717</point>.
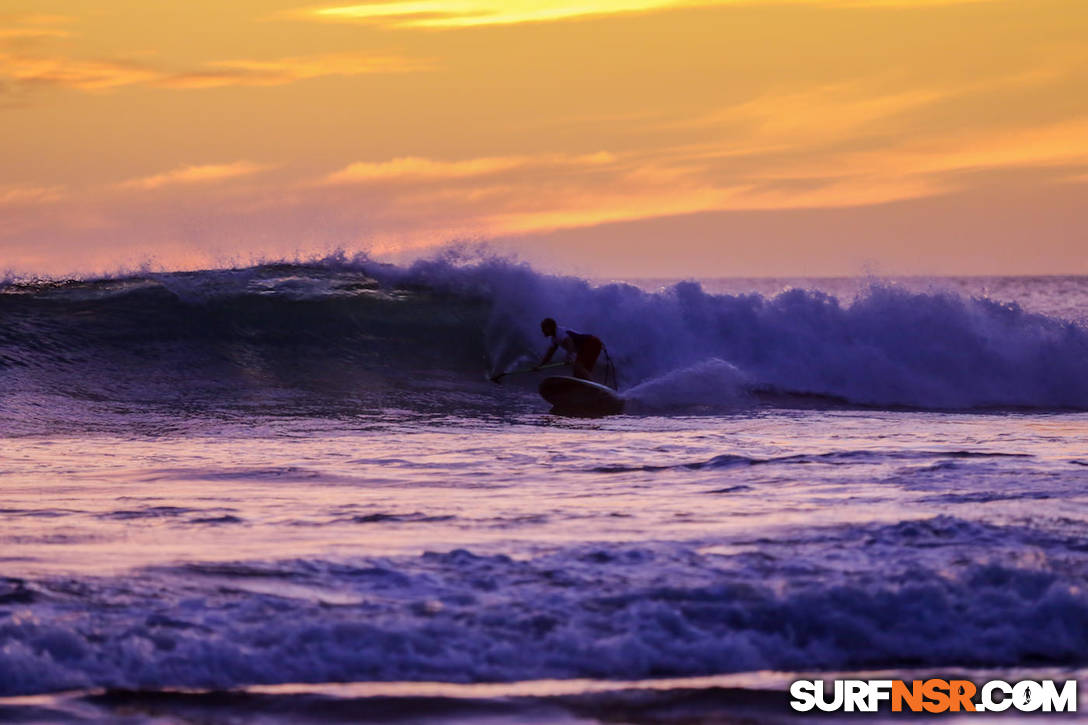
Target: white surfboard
<point>574,396</point>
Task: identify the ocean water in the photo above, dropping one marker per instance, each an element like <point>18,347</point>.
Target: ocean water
<point>289,493</point>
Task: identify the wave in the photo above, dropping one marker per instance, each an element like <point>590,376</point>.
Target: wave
<point>949,591</point>
<point>433,328</point>
<point>833,458</point>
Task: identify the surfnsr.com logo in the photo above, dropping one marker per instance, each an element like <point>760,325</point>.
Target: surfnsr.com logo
<point>934,696</point>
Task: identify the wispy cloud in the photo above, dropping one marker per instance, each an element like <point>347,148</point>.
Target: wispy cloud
<point>471,13</point>
<point>13,194</point>
<point>289,70</point>
<point>21,27</point>
<point>28,71</point>
<point>201,174</point>
<point>1058,144</point>
<point>86,75</point>
<point>416,169</point>
<point>19,33</point>
<point>36,19</point>
<point>465,13</point>
<point>533,193</point>
<point>822,112</point>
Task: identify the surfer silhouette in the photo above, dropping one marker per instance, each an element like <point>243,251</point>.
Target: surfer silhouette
<point>581,350</point>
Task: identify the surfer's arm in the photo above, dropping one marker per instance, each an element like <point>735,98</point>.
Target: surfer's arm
<point>548,355</point>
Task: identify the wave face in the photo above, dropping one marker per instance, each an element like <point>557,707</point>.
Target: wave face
<point>427,332</point>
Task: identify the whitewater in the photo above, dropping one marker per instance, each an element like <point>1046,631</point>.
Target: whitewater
<point>289,493</point>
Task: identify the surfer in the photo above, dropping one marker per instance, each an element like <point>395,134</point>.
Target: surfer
<point>581,350</point>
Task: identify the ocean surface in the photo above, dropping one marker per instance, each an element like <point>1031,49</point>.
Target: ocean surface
<point>289,493</point>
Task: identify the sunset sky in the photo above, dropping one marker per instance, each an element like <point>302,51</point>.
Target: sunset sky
<point>609,137</point>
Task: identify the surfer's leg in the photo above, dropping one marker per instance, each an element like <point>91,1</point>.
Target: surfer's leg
<point>587,358</point>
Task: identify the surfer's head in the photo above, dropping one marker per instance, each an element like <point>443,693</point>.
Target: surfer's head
<point>548,327</point>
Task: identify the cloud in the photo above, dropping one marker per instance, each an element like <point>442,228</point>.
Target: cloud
<point>13,194</point>
<point>465,13</point>
<point>19,33</point>
<point>203,174</point>
<point>471,13</point>
<point>416,201</point>
<point>833,113</point>
<point>86,75</point>
<point>21,27</point>
<point>289,70</point>
<point>27,71</point>
<point>946,160</point>
<point>37,19</point>
<point>426,198</point>
<point>808,169</point>
<point>807,116</point>
<point>416,169</point>
<point>1058,144</point>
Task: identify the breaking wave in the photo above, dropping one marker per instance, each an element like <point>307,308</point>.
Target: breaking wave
<point>599,611</point>
<point>433,328</point>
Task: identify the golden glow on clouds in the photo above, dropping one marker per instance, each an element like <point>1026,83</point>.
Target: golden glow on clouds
<point>470,13</point>
<point>14,194</point>
<point>85,75</point>
<point>465,13</point>
<point>414,168</point>
<point>496,196</point>
<point>32,27</point>
<point>203,174</point>
<point>818,113</point>
<point>289,70</point>
<point>1060,144</point>
<point>12,33</point>
<point>89,75</point>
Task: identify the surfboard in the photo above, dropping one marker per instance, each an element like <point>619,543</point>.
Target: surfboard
<point>574,396</point>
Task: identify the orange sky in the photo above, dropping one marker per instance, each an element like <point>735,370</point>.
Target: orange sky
<point>621,137</point>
